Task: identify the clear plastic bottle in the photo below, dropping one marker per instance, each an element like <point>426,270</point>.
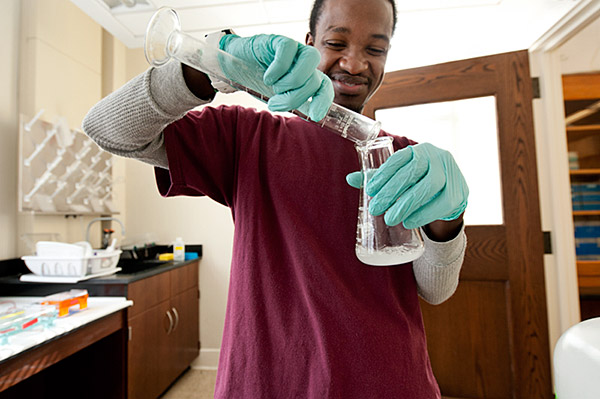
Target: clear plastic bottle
<point>178,250</point>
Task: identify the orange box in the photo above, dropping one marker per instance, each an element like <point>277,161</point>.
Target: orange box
<point>67,299</point>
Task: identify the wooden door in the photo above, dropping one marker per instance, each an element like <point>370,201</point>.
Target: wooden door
<point>490,339</point>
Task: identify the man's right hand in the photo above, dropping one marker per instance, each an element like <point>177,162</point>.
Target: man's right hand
<point>290,70</point>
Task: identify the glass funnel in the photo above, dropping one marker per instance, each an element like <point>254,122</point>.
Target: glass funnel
<point>378,244</point>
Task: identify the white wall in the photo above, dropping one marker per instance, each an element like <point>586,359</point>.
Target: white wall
<point>581,54</point>
<point>9,42</point>
<point>51,61</point>
<point>114,75</point>
<point>60,72</point>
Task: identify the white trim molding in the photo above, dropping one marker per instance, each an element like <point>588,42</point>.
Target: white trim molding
<point>208,359</point>
<point>553,171</point>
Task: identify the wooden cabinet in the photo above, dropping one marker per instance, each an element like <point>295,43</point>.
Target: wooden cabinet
<point>164,330</point>
<point>581,94</point>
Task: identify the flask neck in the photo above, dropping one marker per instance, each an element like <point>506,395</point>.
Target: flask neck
<point>374,153</point>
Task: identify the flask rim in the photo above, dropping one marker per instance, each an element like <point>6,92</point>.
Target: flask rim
<point>378,142</point>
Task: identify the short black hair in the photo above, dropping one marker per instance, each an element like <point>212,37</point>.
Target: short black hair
<point>318,5</point>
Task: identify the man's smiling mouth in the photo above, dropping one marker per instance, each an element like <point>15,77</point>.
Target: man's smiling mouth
<point>350,85</point>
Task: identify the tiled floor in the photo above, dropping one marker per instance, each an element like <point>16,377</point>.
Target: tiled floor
<point>193,384</point>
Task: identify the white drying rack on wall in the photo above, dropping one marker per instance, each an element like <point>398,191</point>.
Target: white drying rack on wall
<point>61,170</point>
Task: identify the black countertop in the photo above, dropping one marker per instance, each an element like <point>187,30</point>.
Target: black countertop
<point>113,285</point>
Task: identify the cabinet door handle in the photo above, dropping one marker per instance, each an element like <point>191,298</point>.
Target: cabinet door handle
<point>170,329</point>
<point>176,318</point>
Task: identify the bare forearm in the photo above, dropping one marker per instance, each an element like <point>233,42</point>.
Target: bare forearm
<point>198,83</point>
<point>442,230</point>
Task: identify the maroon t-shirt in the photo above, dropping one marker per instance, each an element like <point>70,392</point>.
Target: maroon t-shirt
<point>305,318</point>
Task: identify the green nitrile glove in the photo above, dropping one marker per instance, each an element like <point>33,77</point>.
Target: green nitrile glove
<point>415,186</point>
<point>290,71</point>
<point>355,179</point>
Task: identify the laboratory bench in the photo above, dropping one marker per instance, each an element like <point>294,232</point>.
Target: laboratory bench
<point>83,352</point>
<point>161,329</point>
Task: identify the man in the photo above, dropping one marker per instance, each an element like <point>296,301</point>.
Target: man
<point>305,319</point>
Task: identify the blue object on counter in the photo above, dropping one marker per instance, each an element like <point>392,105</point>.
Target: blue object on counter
<point>191,255</point>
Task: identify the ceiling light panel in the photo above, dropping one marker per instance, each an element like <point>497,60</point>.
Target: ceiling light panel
<point>124,6</point>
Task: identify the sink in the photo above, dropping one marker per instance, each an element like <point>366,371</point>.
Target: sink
<point>129,266</point>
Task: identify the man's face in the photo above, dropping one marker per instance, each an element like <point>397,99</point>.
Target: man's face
<point>353,37</point>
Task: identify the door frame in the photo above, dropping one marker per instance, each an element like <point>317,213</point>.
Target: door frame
<point>562,291</point>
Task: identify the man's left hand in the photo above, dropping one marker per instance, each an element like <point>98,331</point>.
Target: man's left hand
<point>416,186</point>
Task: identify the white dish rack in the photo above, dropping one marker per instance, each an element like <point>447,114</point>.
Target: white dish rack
<point>61,170</point>
<point>99,261</point>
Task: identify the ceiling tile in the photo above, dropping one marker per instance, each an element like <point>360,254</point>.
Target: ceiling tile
<point>135,23</point>
<point>219,17</point>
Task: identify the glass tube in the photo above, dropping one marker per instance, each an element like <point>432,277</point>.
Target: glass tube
<point>165,40</point>
<point>378,244</point>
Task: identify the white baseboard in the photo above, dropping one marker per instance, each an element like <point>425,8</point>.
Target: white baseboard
<point>208,359</point>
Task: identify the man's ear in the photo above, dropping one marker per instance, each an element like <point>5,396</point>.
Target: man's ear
<point>309,39</point>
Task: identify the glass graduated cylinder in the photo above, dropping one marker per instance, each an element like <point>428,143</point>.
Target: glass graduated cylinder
<point>165,40</point>
<point>378,244</point>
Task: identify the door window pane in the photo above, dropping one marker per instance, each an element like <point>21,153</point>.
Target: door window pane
<point>468,129</point>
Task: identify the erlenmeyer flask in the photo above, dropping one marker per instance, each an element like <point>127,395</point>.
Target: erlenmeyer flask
<point>378,244</point>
